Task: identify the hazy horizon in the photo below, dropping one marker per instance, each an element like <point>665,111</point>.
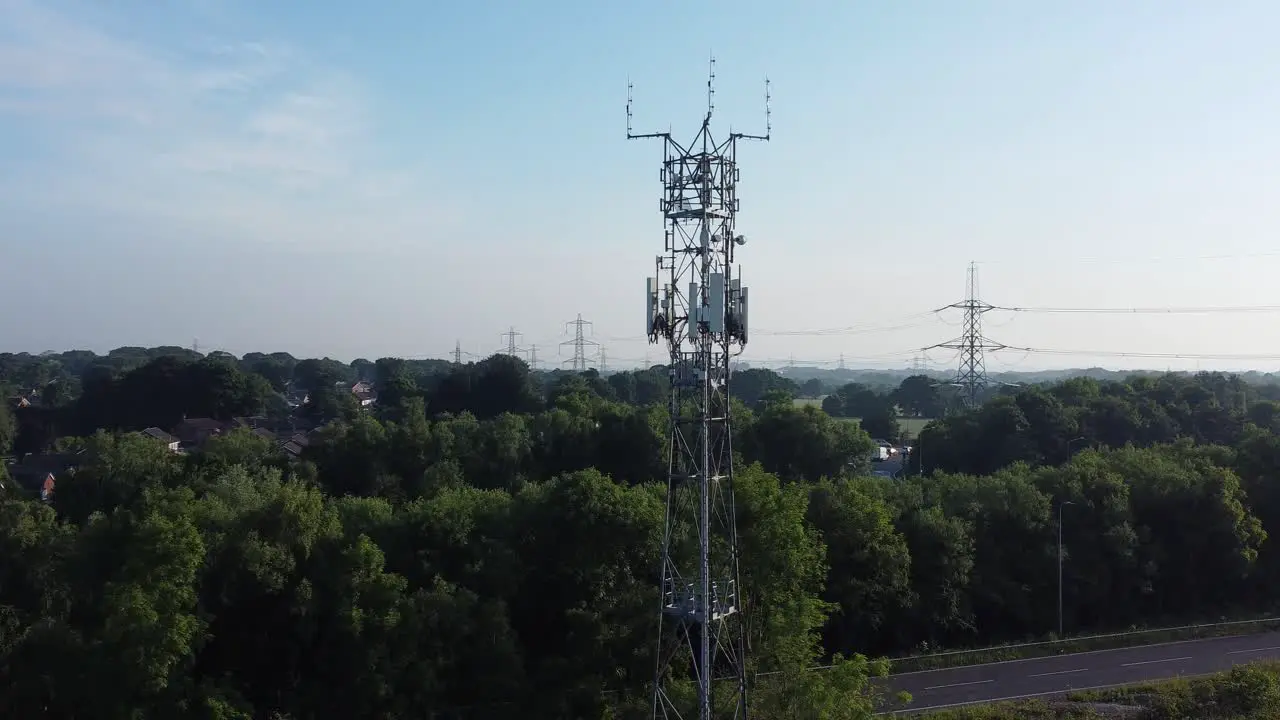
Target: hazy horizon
<point>308,178</point>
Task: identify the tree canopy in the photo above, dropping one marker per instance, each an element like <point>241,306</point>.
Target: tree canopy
<point>483,539</point>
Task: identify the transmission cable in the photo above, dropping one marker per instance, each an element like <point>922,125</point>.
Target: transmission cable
<point>1147,310</point>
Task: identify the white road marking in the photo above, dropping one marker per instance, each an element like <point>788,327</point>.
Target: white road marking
<point>1060,672</point>
<point>1152,662</point>
<point>1237,652</point>
<point>976,682</point>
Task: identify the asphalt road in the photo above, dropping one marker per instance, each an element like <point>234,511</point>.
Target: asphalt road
<point>1040,677</point>
<point>887,468</point>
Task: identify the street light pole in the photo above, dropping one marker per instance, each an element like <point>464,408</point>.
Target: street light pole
<point>1071,442</point>
<point>1061,505</point>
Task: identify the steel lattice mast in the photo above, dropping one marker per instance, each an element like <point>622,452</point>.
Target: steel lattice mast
<point>697,305</point>
<point>971,376</point>
<point>579,343</point>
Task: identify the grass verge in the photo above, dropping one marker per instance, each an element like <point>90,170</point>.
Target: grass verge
<point>1246,692</point>
<point>1111,641</point>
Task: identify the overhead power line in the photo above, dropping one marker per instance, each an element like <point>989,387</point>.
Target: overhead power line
<point>1150,355</point>
<point>1148,310</point>
<point>851,329</point>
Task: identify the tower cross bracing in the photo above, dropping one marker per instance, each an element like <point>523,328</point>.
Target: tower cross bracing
<point>696,305</point>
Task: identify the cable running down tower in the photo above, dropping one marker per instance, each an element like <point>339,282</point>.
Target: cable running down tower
<point>697,306</point>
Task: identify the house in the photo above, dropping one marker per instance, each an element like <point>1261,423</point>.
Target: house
<point>194,432</point>
<point>293,444</point>
<point>38,474</point>
<point>252,422</point>
<point>43,486</point>
<point>164,438</point>
<point>365,394</point>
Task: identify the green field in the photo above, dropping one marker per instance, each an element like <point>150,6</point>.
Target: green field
<point>912,426</point>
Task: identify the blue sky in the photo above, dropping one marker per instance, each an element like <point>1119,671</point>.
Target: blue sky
<point>389,179</point>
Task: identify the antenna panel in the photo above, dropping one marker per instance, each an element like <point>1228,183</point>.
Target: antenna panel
<point>742,313</point>
<point>650,303</point>
<point>715,302</point>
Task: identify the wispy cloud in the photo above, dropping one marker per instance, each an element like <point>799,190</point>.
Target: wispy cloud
<point>246,133</point>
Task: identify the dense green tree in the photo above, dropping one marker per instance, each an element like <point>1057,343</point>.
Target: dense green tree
<point>8,430</point>
<point>882,422</point>
<point>486,544</point>
<point>918,396</point>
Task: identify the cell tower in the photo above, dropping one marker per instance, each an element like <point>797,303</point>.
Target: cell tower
<point>579,343</point>
<point>971,377</point>
<point>510,336</point>
<point>697,305</point>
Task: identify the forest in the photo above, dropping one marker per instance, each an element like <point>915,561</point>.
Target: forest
<point>483,539</point>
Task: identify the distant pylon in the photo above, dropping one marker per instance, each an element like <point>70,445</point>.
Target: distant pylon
<point>533,356</point>
<point>603,365</point>
<point>917,364</point>
<point>840,365</point>
<point>457,352</point>
<point>510,337</point>
<point>579,343</point>
<point>971,377</point>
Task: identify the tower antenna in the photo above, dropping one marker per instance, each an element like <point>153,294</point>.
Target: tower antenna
<point>697,308</point>
<point>579,343</point>
<point>768,110</point>
<point>711,87</point>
